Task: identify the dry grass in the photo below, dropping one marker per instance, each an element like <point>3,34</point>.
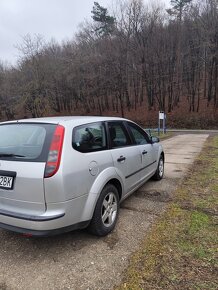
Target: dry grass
<point>180,251</point>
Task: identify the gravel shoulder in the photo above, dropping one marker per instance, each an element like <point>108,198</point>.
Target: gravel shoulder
<point>78,260</point>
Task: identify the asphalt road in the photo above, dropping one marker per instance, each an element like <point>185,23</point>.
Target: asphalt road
<point>78,260</point>
<point>198,131</point>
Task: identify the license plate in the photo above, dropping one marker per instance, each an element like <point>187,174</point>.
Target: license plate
<point>6,182</point>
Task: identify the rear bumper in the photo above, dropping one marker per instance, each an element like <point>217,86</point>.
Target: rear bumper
<point>58,218</point>
<point>31,217</point>
<point>44,233</point>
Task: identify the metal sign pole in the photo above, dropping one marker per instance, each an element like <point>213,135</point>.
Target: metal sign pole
<point>162,116</point>
<point>159,124</point>
<point>165,127</point>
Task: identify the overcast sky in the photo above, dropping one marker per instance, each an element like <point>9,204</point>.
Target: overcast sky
<point>57,19</point>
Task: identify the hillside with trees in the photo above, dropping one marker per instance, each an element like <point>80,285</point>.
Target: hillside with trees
<point>131,61</point>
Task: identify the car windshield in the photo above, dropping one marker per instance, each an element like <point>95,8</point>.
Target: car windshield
<point>21,140</point>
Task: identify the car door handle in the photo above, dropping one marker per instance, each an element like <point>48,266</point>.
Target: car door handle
<point>144,152</point>
<point>121,158</point>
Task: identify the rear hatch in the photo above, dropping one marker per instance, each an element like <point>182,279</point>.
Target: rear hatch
<point>24,151</point>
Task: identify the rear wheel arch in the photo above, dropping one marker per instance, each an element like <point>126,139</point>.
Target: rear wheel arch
<point>96,191</point>
<point>118,186</point>
<point>106,211</point>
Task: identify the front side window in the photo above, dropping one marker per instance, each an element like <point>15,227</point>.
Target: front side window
<point>89,138</point>
<point>140,137</point>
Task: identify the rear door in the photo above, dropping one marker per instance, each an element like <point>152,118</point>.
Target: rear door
<point>23,154</point>
<point>85,158</point>
<point>126,157</point>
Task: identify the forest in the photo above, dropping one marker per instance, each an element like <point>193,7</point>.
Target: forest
<point>131,60</point>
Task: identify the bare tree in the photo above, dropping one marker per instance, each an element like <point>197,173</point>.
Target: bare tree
<point>118,62</point>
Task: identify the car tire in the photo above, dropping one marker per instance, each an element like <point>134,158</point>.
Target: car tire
<point>160,169</point>
<point>106,212</point>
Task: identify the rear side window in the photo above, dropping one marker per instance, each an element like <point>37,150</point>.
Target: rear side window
<point>89,138</point>
<point>118,135</point>
<point>25,141</point>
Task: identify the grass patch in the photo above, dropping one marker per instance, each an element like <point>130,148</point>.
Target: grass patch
<point>180,251</point>
<point>165,136</point>
<point>162,135</point>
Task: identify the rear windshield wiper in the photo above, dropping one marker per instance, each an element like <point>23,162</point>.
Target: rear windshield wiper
<point>10,155</point>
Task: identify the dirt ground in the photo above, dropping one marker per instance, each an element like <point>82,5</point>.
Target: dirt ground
<point>78,260</point>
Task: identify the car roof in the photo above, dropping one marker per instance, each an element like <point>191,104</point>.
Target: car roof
<point>76,120</point>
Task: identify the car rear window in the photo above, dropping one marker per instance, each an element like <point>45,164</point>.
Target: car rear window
<point>27,142</point>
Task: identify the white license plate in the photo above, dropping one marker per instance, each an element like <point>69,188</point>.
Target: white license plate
<point>6,182</point>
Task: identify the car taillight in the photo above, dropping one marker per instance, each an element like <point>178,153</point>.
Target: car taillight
<point>54,155</point>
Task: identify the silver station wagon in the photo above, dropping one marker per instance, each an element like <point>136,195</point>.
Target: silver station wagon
<point>64,173</point>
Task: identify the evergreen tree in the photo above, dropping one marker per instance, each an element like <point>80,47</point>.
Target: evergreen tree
<point>178,7</point>
<point>105,22</point>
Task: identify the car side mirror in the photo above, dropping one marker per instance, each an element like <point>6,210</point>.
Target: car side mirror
<point>155,140</point>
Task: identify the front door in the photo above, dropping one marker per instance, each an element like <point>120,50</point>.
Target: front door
<point>147,150</point>
<point>126,157</point>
